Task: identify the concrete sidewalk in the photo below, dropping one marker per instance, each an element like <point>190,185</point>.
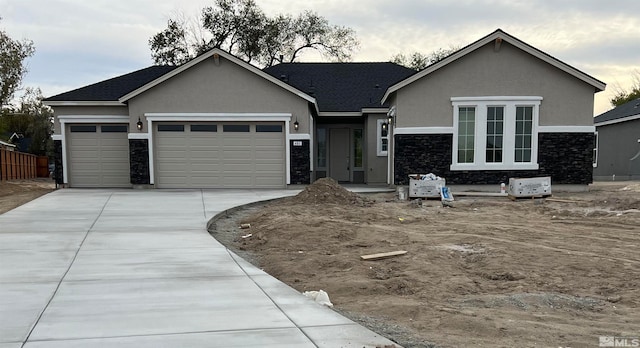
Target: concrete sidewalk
<point>129,268</point>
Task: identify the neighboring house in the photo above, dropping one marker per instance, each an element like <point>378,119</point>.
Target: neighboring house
<point>617,147</point>
<point>495,109</point>
<point>7,146</point>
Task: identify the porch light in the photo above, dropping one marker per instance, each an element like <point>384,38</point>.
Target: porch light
<point>384,126</point>
<point>139,124</point>
<point>390,119</point>
<point>296,125</point>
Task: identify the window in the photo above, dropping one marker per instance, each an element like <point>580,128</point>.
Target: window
<point>204,128</point>
<point>82,129</point>
<point>495,133</point>
<point>114,129</point>
<point>382,137</point>
<point>271,128</point>
<point>466,134</point>
<point>236,128</point>
<point>495,129</point>
<point>321,134</point>
<point>524,133</point>
<point>595,149</point>
<point>357,148</point>
<point>170,128</point>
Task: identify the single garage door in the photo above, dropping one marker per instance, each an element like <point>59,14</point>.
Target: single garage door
<point>220,155</point>
<point>98,155</point>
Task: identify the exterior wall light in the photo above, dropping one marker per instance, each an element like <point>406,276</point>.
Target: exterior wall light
<point>139,124</point>
<point>296,125</point>
<point>385,126</point>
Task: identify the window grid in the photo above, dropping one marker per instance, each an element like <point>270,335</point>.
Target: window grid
<point>357,148</point>
<point>524,133</point>
<point>466,134</point>
<point>495,131</point>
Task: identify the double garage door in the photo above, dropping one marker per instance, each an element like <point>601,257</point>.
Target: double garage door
<point>216,155</point>
<point>98,155</point>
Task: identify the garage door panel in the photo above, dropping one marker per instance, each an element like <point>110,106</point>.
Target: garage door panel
<point>221,158</point>
<point>97,159</point>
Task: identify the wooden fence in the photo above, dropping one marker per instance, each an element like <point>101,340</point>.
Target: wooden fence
<point>17,165</point>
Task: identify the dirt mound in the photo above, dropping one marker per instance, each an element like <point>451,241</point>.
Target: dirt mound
<point>328,191</point>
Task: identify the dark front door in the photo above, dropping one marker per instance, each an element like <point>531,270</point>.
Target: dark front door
<point>339,160</point>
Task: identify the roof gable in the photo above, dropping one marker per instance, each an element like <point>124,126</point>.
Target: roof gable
<point>215,54</point>
<point>625,112</point>
<point>342,87</point>
<point>498,36</point>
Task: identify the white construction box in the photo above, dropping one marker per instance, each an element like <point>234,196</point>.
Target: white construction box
<point>530,187</point>
<point>419,188</point>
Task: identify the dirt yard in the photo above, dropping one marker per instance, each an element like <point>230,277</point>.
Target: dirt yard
<point>488,272</point>
<point>18,192</point>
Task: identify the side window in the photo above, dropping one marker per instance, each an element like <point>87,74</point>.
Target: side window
<point>321,134</point>
<point>595,149</point>
<point>382,137</point>
<point>357,148</point>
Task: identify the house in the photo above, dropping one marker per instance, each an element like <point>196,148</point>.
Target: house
<point>617,146</point>
<point>7,146</point>
<point>495,109</point>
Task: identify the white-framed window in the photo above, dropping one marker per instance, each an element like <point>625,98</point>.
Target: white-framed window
<point>382,137</point>
<point>595,149</point>
<point>495,133</point>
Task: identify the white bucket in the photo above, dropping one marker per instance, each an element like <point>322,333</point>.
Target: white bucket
<point>402,193</point>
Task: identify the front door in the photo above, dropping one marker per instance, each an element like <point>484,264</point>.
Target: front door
<point>339,161</point>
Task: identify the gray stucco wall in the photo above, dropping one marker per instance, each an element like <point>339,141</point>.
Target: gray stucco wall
<point>227,87</point>
<point>484,72</point>
<point>617,144</point>
<point>87,111</point>
<point>376,171</point>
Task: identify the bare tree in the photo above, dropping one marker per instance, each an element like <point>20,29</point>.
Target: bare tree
<point>241,28</point>
<point>419,61</point>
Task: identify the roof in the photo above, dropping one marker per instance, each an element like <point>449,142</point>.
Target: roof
<point>625,112</point>
<point>499,35</point>
<point>342,87</point>
<point>215,53</point>
<point>117,90</point>
<point>114,88</point>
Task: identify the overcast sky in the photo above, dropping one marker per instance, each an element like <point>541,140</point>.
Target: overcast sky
<point>79,42</point>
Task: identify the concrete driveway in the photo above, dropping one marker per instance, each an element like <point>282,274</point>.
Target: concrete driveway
<point>137,268</point>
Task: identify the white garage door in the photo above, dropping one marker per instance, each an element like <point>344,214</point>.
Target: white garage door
<point>98,155</point>
<point>220,155</point>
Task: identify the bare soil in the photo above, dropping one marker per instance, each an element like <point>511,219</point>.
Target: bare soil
<point>488,272</point>
<point>18,192</point>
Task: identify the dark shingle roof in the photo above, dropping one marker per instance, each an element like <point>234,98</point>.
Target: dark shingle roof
<point>342,86</point>
<point>627,109</point>
<point>114,88</point>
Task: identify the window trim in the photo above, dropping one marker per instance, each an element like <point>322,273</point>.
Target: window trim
<point>595,149</point>
<point>379,138</point>
<point>510,103</point>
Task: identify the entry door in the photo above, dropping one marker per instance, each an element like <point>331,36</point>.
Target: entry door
<point>339,161</point>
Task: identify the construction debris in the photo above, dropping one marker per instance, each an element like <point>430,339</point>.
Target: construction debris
<point>320,297</point>
<point>380,256</point>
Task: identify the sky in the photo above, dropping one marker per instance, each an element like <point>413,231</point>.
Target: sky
<point>79,42</point>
